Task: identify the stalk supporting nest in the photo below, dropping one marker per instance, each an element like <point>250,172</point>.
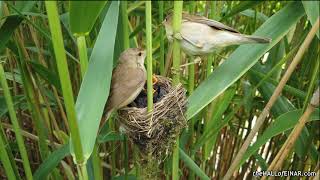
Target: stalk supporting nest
<point>154,133</point>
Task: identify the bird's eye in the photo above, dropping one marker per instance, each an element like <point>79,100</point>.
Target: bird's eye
<point>140,54</point>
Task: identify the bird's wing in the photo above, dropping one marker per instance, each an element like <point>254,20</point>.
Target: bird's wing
<point>209,22</point>
<point>125,82</point>
<point>181,36</point>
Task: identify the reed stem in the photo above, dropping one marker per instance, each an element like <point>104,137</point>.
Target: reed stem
<point>177,16</point>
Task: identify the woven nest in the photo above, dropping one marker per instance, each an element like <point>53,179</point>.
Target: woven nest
<point>156,132</point>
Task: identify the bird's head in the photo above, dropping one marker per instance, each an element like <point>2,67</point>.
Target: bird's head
<point>167,22</point>
<point>133,55</point>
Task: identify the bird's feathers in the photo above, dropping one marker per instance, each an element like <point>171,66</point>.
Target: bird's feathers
<point>206,21</point>
<point>125,88</point>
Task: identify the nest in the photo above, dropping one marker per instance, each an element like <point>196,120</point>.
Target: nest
<point>156,132</point>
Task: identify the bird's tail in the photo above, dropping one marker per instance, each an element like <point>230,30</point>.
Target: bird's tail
<point>256,39</point>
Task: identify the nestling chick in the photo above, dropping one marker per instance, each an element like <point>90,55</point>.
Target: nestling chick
<point>201,36</point>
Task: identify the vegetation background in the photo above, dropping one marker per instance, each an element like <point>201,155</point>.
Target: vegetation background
<point>56,64</point>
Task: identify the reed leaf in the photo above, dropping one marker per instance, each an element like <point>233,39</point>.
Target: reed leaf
<point>95,86</point>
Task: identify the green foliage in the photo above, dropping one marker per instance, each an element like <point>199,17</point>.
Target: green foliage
<point>83,15</point>
<point>92,98</point>
<point>58,96</point>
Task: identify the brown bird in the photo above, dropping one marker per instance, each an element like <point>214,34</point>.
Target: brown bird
<point>200,35</point>
<point>128,79</point>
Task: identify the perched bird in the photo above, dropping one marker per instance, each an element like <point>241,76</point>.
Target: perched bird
<point>128,79</point>
<point>200,36</point>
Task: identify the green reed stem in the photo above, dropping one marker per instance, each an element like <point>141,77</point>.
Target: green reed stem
<point>5,160</point>
<point>176,47</point>
<point>83,56</point>
<point>15,123</point>
<point>125,27</point>
<point>113,149</point>
<point>97,169</point>
<point>9,152</point>
<point>210,60</point>
<point>177,16</point>
<point>55,28</point>
<point>312,84</point>
<point>149,55</point>
<point>126,45</point>
<point>161,12</point>
<point>191,86</point>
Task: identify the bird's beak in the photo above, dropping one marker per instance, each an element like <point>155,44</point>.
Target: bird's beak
<point>144,52</point>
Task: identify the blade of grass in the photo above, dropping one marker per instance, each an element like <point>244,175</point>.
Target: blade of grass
<point>312,11</point>
<point>192,165</point>
<point>243,5</point>
<point>31,95</point>
<point>5,161</point>
<point>95,85</point>
<point>15,123</point>
<point>51,162</point>
<point>85,12</point>
<point>7,29</point>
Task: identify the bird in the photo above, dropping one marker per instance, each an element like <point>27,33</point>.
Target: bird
<point>128,79</point>
<point>201,36</point>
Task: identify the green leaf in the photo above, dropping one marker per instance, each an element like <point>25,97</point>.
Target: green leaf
<point>25,6</point>
<point>7,29</point>
<point>283,123</point>
<point>95,86</point>
<point>219,108</point>
<point>192,165</point>
<point>129,177</point>
<point>83,15</point>
<point>244,57</point>
<point>110,136</point>
<point>46,74</point>
<point>312,11</point>
<point>243,5</point>
<point>251,13</point>
<point>51,162</point>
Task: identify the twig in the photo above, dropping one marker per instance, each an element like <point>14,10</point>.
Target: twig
<point>272,100</point>
<point>29,135</point>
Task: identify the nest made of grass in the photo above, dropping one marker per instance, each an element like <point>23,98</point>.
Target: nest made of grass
<point>156,132</point>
